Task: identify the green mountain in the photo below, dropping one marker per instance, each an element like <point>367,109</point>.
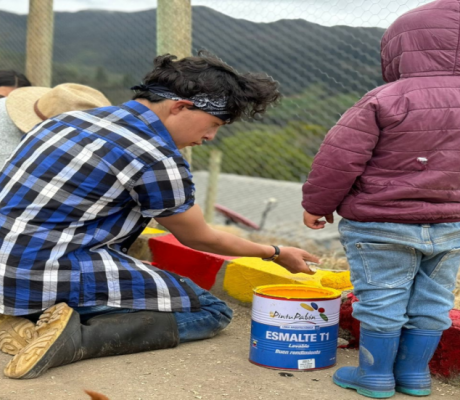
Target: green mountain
<point>322,72</point>
<point>295,52</point>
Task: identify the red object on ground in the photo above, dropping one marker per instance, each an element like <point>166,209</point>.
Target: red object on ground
<point>235,217</point>
<point>348,323</point>
<point>446,359</point>
<point>200,267</point>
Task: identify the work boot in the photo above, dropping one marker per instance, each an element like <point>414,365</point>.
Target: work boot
<point>62,339</point>
<point>15,333</point>
<point>374,375</point>
<point>411,371</point>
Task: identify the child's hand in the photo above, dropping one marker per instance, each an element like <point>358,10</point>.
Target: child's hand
<point>312,221</point>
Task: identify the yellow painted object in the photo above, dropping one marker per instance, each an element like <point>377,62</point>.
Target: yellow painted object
<point>152,231</point>
<point>339,280</point>
<point>243,275</point>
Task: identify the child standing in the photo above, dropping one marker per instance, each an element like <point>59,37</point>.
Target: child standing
<point>390,167</point>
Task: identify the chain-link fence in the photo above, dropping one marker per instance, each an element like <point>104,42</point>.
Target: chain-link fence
<point>324,53</point>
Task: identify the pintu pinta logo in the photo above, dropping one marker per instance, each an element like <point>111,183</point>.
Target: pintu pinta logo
<point>308,316</point>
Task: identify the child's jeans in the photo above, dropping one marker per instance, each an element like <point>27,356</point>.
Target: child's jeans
<point>403,274</point>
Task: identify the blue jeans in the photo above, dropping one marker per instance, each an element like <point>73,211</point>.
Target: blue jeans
<point>403,274</point>
<point>213,317</point>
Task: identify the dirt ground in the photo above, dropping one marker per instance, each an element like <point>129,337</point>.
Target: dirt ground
<point>215,369</point>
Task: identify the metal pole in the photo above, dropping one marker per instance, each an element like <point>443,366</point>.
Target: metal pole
<point>215,160</point>
<point>174,35</point>
<point>39,51</point>
<point>174,27</point>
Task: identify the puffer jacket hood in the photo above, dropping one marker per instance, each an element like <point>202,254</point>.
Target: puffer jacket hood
<point>423,42</point>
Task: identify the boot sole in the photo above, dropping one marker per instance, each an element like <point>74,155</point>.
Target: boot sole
<point>413,392</point>
<point>365,392</point>
<point>32,360</point>
<point>15,334</point>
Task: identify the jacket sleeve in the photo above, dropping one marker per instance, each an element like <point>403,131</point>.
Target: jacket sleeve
<point>342,157</point>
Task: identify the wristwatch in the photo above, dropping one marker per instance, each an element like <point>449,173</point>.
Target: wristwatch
<point>274,256</point>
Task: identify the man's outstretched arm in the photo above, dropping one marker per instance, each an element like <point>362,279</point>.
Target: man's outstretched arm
<point>191,229</point>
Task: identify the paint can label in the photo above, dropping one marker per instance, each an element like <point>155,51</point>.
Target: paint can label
<point>294,335</point>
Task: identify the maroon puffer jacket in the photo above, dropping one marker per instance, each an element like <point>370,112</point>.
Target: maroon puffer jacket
<point>395,155</point>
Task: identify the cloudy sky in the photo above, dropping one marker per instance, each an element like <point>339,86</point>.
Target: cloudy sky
<point>325,12</point>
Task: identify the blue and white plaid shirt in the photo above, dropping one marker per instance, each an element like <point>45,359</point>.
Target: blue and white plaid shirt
<point>74,195</point>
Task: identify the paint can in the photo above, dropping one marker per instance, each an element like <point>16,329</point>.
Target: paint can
<point>294,327</point>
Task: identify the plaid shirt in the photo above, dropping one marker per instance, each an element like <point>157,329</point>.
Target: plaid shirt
<point>75,194</point>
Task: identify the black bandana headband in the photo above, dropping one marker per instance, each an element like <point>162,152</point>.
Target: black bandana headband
<point>213,106</point>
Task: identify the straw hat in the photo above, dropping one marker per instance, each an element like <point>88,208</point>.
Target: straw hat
<point>29,106</point>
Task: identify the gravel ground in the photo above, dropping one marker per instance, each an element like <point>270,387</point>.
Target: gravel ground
<point>215,369</point>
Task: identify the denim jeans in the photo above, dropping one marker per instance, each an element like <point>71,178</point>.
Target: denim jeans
<point>403,274</point>
<point>213,317</point>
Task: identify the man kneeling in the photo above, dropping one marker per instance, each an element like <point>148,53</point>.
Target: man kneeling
<point>80,189</point>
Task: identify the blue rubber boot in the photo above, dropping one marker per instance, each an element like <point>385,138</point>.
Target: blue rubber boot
<point>374,376</point>
<point>411,371</point>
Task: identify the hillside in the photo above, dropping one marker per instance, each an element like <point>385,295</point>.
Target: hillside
<point>322,71</point>
<point>296,52</point>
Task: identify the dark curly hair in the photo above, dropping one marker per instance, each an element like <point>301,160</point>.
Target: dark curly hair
<point>248,94</point>
<point>14,79</point>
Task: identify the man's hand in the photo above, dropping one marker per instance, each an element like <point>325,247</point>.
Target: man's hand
<point>293,259</point>
<point>312,221</point>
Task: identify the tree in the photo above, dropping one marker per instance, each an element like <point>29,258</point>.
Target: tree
<point>101,77</point>
<point>127,81</point>
<point>268,151</point>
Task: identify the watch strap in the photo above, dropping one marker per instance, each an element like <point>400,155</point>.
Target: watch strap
<point>274,256</point>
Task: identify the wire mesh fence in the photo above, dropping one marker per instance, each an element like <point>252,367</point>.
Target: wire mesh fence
<point>324,53</point>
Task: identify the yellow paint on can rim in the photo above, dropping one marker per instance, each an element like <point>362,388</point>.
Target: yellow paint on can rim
<point>298,292</point>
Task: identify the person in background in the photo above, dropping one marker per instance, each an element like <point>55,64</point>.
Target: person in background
<point>28,106</point>
<point>390,168</point>
<point>11,80</point>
